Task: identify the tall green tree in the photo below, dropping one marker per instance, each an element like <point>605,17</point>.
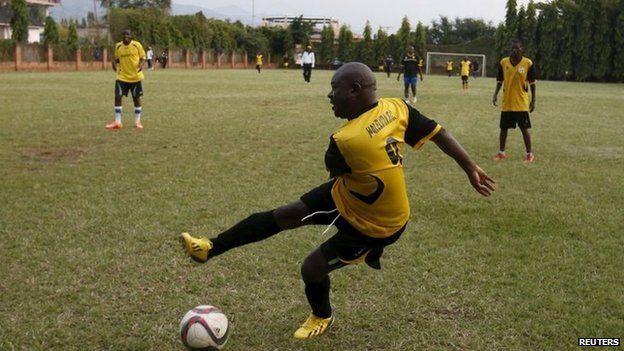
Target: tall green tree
<point>618,47</point>
<point>50,32</point>
<point>326,49</point>
<point>584,39</point>
<point>421,40</point>
<point>521,32</point>
<point>366,50</point>
<point>442,32</point>
<point>501,42</point>
<point>403,38</point>
<point>19,21</point>
<point>300,30</point>
<point>381,44</point>
<point>601,49</point>
<point>511,18</point>
<point>530,28</point>
<point>72,36</point>
<point>548,46</point>
<point>345,44</point>
<point>280,39</point>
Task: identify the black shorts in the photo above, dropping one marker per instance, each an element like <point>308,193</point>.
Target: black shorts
<point>348,245</point>
<point>464,78</point>
<point>509,119</point>
<point>122,88</point>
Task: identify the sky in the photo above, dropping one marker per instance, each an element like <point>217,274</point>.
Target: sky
<point>380,13</point>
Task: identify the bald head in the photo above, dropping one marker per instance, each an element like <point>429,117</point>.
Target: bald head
<point>356,73</point>
<point>353,90</point>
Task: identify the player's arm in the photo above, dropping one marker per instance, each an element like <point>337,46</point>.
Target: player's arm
<point>479,180</point>
<point>531,79</point>
<point>499,84</point>
<point>420,72</point>
<point>420,129</point>
<point>141,53</point>
<point>115,60</point>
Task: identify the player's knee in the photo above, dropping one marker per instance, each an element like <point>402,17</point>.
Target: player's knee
<point>289,216</point>
<point>310,271</point>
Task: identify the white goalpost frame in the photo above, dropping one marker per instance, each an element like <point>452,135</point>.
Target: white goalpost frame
<point>429,53</point>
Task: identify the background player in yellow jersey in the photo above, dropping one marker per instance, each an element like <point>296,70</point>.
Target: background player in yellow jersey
<point>128,63</point>
<point>449,67</point>
<point>259,62</point>
<point>464,69</point>
<point>366,197</point>
<point>515,74</point>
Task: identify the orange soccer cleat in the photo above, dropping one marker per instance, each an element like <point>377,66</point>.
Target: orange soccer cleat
<point>114,125</point>
<point>500,156</point>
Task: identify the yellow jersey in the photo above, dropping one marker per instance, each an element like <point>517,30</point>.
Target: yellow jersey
<point>449,65</point>
<point>516,80</point>
<point>129,57</point>
<point>465,67</point>
<point>258,59</point>
<point>365,157</point>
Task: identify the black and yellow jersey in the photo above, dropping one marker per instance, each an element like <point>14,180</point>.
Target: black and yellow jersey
<point>516,80</point>
<point>129,57</point>
<point>464,67</point>
<point>410,66</point>
<point>258,59</point>
<point>364,156</point>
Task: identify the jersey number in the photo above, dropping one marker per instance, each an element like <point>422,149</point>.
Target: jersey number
<point>392,149</point>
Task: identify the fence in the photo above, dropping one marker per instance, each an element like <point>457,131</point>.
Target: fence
<point>35,57</point>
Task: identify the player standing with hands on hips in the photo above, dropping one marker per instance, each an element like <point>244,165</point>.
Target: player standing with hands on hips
<point>128,63</point>
<point>515,74</point>
<point>365,198</point>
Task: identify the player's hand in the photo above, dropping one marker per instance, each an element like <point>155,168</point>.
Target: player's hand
<point>481,181</point>
<point>494,100</point>
<point>532,106</point>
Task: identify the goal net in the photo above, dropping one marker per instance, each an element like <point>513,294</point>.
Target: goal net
<point>437,62</point>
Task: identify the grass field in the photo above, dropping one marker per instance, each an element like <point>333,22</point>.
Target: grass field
<point>89,218</point>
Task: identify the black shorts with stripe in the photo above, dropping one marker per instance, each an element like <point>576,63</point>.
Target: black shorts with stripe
<point>348,245</point>
<point>122,88</point>
<point>509,119</point>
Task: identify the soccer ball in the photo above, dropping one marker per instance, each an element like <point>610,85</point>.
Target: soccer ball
<point>204,328</point>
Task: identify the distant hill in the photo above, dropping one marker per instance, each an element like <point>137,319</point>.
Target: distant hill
<point>79,9</point>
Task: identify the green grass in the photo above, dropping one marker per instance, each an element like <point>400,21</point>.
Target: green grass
<point>89,218</point>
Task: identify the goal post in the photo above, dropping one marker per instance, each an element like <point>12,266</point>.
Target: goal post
<point>436,61</point>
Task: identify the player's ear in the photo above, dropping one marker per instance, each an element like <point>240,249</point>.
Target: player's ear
<point>356,88</point>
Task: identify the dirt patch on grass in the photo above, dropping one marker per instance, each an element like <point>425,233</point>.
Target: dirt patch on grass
<point>54,155</point>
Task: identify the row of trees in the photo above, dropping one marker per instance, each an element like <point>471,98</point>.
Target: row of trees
<point>569,39</point>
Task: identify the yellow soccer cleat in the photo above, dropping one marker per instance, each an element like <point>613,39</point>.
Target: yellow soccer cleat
<point>197,248</point>
<point>313,327</point>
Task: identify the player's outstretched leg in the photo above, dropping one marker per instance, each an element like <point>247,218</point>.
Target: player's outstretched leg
<point>256,227</point>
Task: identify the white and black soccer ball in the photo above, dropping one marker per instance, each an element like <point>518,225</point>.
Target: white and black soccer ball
<point>204,328</point>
